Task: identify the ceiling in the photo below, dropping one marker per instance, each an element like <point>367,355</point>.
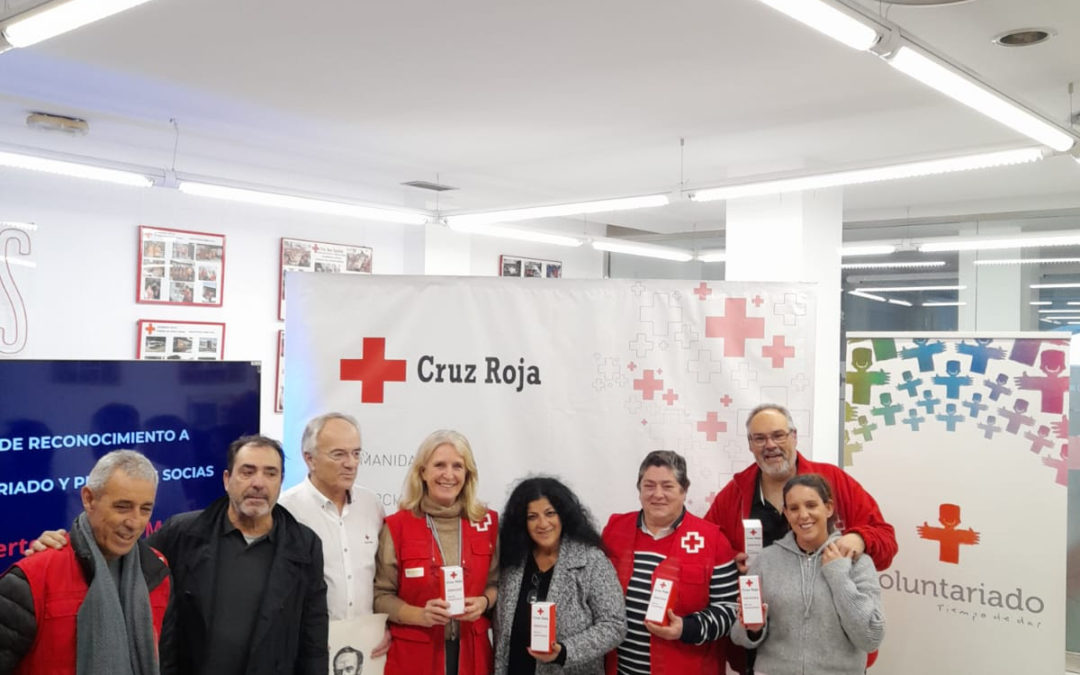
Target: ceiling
<point>523,103</point>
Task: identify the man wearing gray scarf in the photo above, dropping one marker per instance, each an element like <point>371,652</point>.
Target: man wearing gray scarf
<point>105,594</point>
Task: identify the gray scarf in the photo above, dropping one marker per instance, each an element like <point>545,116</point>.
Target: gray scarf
<point>114,630</point>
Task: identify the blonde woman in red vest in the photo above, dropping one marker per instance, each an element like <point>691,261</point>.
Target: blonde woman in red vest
<point>439,523</point>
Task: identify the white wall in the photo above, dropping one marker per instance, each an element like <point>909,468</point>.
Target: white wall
<point>80,296</point>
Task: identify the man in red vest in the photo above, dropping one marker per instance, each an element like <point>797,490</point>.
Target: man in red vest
<point>97,605</point>
<point>757,493</point>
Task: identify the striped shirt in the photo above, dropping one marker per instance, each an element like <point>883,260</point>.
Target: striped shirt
<point>711,622</point>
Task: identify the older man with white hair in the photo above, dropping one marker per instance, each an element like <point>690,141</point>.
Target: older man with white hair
<point>97,605</point>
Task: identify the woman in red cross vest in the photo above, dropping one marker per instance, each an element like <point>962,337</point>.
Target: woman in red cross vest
<point>678,574</point>
<point>440,534</point>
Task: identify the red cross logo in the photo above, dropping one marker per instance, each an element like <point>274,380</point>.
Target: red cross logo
<point>692,542</point>
<point>484,524</point>
<point>734,327</point>
<point>703,291</point>
<point>670,396</point>
<point>631,366</point>
<point>373,370</point>
<point>758,301</point>
<point>726,400</point>
<point>711,426</point>
<point>453,575</point>
<point>664,585</point>
<point>778,351</point>
<point>749,583</point>
<point>150,328</point>
<point>539,611</point>
<point>648,385</point>
<point>315,248</point>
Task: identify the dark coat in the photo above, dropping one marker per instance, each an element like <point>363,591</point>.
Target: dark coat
<point>290,634</point>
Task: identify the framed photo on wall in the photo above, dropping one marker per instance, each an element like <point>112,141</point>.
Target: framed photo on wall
<point>179,267</point>
<point>301,255</point>
<point>279,383</point>
<point>518,266</point>
<point>180,341</point>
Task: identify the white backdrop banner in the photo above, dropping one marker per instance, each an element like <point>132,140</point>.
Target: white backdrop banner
<point>579,379</point>
<point>964,443</point>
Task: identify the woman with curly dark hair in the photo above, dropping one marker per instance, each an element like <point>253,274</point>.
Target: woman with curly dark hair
<point>551,551</point>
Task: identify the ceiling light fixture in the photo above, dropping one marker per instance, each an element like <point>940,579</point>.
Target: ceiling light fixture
<point>1027,261</point>
<point>870,249</point>
<point>890,265</point>
<point>1053,285</point>
<point>902,303</point>
<point>1041,302</point>
<point>518,234</point>
<point>933,167</point>
<point>905,289</point>
<point>715,255</point>
<point>944,304</point>
<point>984,244</point>
<point>59,16</point>
<point>827,19</point>
<point>281,201</point>
<point>646,250</point>
<point>74,169</point>
<point>868,296</point>
<point>29,227</point>
<point>979,97</point>
<point>1059,311</point>
<point>575,209</point>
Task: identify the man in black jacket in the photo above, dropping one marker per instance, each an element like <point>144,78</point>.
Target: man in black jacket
<point>249,597</point>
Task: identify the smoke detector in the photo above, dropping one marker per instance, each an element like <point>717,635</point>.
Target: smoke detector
<point>73,126</point>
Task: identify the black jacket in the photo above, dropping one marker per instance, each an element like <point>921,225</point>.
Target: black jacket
<point>290,634</point>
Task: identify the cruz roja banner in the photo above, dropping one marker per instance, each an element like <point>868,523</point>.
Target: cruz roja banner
<point>963,440</point>
<point>578,379</point>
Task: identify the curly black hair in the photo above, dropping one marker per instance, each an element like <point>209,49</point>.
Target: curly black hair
<point>514,540</point>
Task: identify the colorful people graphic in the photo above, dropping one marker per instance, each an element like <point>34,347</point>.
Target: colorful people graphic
<point>949,537</point>
<point>861,379</point>
<point>1053,386</point>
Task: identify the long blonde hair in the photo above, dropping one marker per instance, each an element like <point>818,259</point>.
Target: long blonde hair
<point>414,488</point>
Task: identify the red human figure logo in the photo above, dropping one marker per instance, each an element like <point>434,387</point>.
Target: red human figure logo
<point>949,537</point>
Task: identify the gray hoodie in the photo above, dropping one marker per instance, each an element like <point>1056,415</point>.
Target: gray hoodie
<point>822,620</point>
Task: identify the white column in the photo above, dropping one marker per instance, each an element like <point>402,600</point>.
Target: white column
<point>797,237</point>
<point>437,250</point>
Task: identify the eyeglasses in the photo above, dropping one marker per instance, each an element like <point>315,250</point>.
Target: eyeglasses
<point>341,455</point>
<point>534,592</point>
<point>777,437</point>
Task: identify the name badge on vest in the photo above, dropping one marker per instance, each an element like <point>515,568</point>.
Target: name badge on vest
<point>414,572</point>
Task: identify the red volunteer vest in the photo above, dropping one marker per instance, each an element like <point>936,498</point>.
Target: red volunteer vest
<point>697,546</point>
<point>58,587</point>
<point>416,650</point>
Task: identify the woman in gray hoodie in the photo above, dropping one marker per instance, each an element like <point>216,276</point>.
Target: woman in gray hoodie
<point>823,610</point>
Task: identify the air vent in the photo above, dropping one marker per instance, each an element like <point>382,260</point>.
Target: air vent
<point>428,185</point>
<point>49,122</point>
<point>1024,37</point>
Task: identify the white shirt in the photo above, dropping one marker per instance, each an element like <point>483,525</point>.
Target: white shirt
<point>349,540</point>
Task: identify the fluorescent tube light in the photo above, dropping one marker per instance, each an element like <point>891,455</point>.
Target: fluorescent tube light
<point>576,209</point>
<point>902,303</point>
<point>869,249</point>
<point>887,265</point>
<point>868,296</point>
<point>1026,261</point>
<point>1059,311</point>
<point>944,304</point>
<point>984,244</point>
<point>904,289</point>
<point>981,99</point>
<point>61,17</point>
<point>302,203</point>
<point>1041,302</point>
<point>646,250</point>
<point>1053,285</point>
<point>73,169</point>
<point>1071,303</point>
<point>860,176</point>
<point>518,234</point>
<point>827,19</point>
<point>716,255</point>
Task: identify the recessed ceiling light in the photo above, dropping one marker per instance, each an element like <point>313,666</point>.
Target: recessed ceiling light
<point>1024,37</point>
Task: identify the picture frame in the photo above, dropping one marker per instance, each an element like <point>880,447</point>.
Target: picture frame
<point>279,381</point>
<point>304,255</point>
<point>180,267</point>
<point>521,266</point>
<point>179,340</point>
